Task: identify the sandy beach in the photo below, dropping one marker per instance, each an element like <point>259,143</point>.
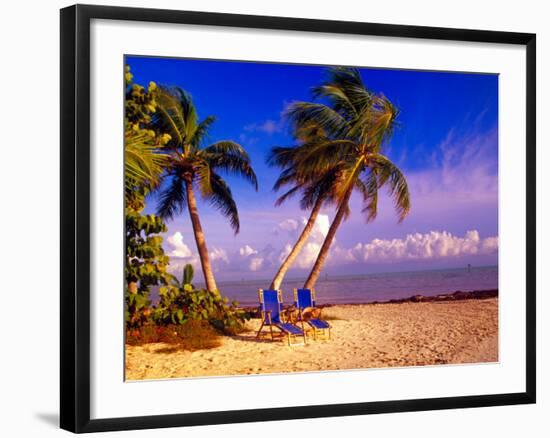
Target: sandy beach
<point>363,336</point>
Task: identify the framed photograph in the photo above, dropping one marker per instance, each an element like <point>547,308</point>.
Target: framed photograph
<point>268,218</point>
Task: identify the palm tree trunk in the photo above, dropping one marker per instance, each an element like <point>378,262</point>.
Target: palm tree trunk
<point>277,280</point>
<point>323,252</point>
<point>199,238</point>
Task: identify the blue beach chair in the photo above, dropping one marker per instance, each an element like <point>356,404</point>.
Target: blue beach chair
<point>271,306</point>
<point>303,299</point>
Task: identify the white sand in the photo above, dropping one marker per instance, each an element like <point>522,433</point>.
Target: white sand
<point>363,336</point>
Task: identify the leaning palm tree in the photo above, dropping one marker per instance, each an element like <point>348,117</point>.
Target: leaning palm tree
<point>315,192</point>
<point>358,124</point>
<point>192,166</point>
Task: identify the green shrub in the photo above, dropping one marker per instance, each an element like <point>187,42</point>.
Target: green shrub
<point>146,264</point>
<point>182,302</point>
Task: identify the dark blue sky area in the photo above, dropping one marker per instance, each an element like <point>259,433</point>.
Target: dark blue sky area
<point>447,143</point>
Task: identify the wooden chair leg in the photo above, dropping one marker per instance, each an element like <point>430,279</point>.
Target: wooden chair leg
<point>259,331</point>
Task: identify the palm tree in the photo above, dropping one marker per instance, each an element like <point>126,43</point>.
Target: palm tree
<point>192,166</point>
<point>314,192</point>
<point>358,124</point>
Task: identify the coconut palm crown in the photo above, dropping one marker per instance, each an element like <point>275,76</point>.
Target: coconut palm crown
<point>358,124</point>
<point>193,166</point>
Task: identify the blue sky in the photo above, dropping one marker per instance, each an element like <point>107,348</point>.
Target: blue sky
<point>446,144</point>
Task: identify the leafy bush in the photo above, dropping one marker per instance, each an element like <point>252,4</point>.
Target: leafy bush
<point>182,302</point>
<point>146,264</point>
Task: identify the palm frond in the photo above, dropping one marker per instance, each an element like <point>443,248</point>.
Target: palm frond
<point>350,84</point>
<point>338,99</point>
<point>317,157</point>
<point>389,173</point>
<point>172,200</point>
<point>203,176</point>
<point>169,116</point>
<point>303,113</point>
<point>143,162</point>
<point>324,187</point>
<point>231,158</point>
<point>288,194</point>
<point>369,190</point>
<point>201,132</point>
<point>221,198</point>
<point>383,121</point>
<point>286,177</point>
<point>282,156</point>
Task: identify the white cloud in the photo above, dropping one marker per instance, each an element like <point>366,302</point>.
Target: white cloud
<point>219,254</point>
<point>432,245</point>
<point>288,225</point>
<point>489,245</point>
<point>310,250</point>
<point>179,248</point>
<point>180,254</point>
<point>308,255</point>
<point>320,229</point>
<point>247,250</point>
<point>256,263</point>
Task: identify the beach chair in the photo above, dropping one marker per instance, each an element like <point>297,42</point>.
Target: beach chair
<point>304,300</point>
<point>271,306</point>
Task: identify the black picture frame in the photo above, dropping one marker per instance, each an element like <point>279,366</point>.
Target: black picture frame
<point>75,217</point>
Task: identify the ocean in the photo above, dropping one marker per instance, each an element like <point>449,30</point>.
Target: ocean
<point>372,287</point>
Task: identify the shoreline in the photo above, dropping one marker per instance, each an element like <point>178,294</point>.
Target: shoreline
<point>458,295</point>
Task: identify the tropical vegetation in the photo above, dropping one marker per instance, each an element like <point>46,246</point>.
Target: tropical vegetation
<point>192,166</point>
<point>315,190</point>
<point>356,124</point>
<point>153,118</point>
<point>340,138</point>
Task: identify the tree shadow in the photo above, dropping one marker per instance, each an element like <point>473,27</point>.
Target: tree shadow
<point>253,338</point>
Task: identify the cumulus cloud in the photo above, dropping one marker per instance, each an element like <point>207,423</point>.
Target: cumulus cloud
<point>432,245</point>
<point>489,245</point>
<point>247,250</point>
<point>248,258</point>
<point>180,254</point>
<point>310,250</point>
<point>320,229</point>
<point>219,254</point>
<point>179,248</point>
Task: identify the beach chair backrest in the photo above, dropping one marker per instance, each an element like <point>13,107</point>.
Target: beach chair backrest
<point>304,298</point>
<point>271,301</point>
